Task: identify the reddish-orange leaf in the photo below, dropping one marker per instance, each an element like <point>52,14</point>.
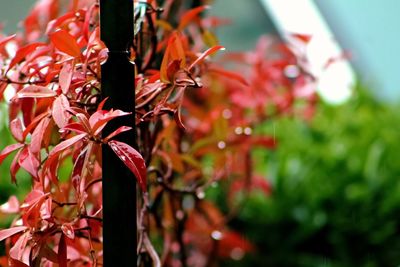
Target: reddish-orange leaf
<point>205,54</point>
<point>190,16</point>
<point>65,42</point>
<point>132,159</point>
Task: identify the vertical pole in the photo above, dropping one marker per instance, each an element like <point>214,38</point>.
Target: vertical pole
<point>119,186</point>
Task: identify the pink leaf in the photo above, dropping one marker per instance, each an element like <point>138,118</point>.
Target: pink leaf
<point>6,233</point>
<point>132,159</point>
<point>36,91</point>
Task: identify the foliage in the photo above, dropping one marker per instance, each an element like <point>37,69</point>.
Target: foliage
<point>189,112</point>
<point>335,197</point>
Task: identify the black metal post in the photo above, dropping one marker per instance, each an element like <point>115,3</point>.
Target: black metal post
<point>119,186</point>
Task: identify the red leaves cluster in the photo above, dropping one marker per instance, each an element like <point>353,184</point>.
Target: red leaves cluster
<point>195,127</point>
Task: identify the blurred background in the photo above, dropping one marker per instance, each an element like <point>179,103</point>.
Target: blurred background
<point>335,199</point>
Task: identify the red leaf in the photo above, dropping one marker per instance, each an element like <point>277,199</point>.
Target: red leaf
<point>16,263</point>
<point>205,54</point>
<point>62,252</point>
<point>9,149</point>
<point>132,159</point>
<point>100,118</point>
<point>66,73</point>
<point>116,132</point>
<point>305,38</point>
<point>191,16</point>
<point>11,206</point>
<point>66,144</point>
<point>16,129</point>
<point>38,135</point>
<point>173,52</point>
<point>101,105</point>
<point>5,40</point>
<point>22,53</point>
<point>65,42</point>
<point>33,124</point>
<point>36,91</point>
<point>51,162</point>
<point>75,127</point>
<point>68,230</point>
<point>60,111</point>
<point>29,162</point>
<point>14,167</point>
<point>6,233</point>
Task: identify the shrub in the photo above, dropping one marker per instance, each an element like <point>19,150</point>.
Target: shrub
<point>190,113</point>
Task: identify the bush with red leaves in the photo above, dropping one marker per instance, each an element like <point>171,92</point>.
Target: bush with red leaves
<point>195,126</point>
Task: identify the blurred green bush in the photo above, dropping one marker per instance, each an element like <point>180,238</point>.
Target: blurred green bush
<point>336,190</point>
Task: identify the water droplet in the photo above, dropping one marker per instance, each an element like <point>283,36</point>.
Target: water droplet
<point>180,215</point>
<point>200,194</point>
<point>227,113</point>
<point>216,235</point>
<point>291,71</point>
<point>237,254</point>
<point>238,130</point>
<point>248,131</point>
<point>214,184</point>
<point>221,144</point>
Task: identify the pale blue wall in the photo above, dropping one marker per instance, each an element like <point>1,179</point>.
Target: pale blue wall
<point>370,30</point>
<point>12,12</point>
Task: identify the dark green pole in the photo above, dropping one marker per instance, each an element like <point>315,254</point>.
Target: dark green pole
<point>119,186</point>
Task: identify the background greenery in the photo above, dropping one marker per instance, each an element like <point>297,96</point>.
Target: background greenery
<point>336,190</point>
